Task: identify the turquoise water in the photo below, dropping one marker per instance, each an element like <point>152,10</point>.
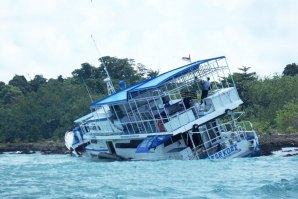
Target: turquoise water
<point>62,176</point>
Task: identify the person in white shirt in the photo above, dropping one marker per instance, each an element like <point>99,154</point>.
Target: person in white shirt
<point>206,86</point>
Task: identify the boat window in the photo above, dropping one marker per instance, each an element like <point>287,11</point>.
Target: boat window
<point>165,99</point>
<point>94,141</point>
<point>173,139</point>
<point>117,110</point>
<point>131,144</point>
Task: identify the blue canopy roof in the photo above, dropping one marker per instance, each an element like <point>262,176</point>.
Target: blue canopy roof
<point>121,96</point>
<point>154,83</point>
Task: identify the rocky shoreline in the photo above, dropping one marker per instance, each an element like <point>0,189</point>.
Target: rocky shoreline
<point>268,144</point>
<point>44,147</point>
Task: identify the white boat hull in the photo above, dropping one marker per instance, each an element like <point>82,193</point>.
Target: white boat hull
<point>178,150</point>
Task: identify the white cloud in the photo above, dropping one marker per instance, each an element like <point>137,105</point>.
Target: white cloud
<point>52,37</point>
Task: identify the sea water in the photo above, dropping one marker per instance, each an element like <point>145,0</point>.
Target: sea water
<point>62,176</point>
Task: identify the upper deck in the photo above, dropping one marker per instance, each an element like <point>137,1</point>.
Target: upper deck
<point>168,104</point>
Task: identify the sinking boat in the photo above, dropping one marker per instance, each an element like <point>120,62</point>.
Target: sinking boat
<point>165,118</point>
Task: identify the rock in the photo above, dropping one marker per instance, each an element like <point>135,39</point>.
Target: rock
<point>269,143</point>
<point>289,155</point>
<point>46,147</point>
<point>27,151</point>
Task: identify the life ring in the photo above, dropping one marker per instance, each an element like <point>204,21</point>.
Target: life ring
<point>160,126</point>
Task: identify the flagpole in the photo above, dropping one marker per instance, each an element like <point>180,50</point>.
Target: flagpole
<point>187,58</point>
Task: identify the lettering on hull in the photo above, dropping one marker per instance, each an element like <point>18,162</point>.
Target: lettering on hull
<point>225,152</point>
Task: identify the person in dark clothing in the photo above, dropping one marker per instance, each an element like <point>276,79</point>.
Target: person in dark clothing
<point>187,102</point>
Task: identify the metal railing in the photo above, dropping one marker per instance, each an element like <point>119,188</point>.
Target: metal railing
<point>143,126</point>
<point>146,120</point>
<point>230,132</point>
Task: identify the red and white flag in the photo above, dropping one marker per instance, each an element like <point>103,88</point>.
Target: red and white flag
<point>187,58</point>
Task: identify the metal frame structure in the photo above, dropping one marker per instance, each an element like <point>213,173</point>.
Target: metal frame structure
<point>148,102</point>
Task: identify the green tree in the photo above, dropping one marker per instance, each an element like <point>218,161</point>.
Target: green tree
<point>121,69</point>
<point>20,82</point>
<point>269,96</point>
<point>45,109</point>
<point>290,70</point>
<point>243,82</point>
<point>287,118</point>
<point>247,76</point>
<point>152,73</point>
<point>91,77</point>
<point>2,85</point>
<point>37,82</point>
<point>9,94</point>
<point>60,78</point>
<point>85,72</point>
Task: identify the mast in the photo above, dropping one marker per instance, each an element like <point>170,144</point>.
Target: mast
<point>108,81</point>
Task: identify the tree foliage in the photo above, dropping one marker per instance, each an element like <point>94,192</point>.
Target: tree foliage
<point>266,101</point>
<point>269,95</point>
<point>123,69</point>
<point>287,117</point>
<point>45,109</point>
<point>290,70</point>
<point>37,82</point>
<point>20,82</point>
<point>9,94</point>
<point>243,80</point>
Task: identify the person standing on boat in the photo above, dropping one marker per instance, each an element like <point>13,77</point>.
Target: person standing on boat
<point>206,86</point>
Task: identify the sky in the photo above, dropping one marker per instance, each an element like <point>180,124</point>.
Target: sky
<point>53,37</point>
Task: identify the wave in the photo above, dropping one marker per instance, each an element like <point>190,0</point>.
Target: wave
<point>282,189</point>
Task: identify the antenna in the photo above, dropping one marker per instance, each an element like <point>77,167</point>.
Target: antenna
<point>87,90</point>
<point>107,80</point>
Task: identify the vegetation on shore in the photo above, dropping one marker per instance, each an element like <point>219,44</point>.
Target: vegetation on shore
<point>41,109</point>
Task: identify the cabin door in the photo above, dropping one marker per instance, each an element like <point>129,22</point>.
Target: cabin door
<point>197,139</point>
